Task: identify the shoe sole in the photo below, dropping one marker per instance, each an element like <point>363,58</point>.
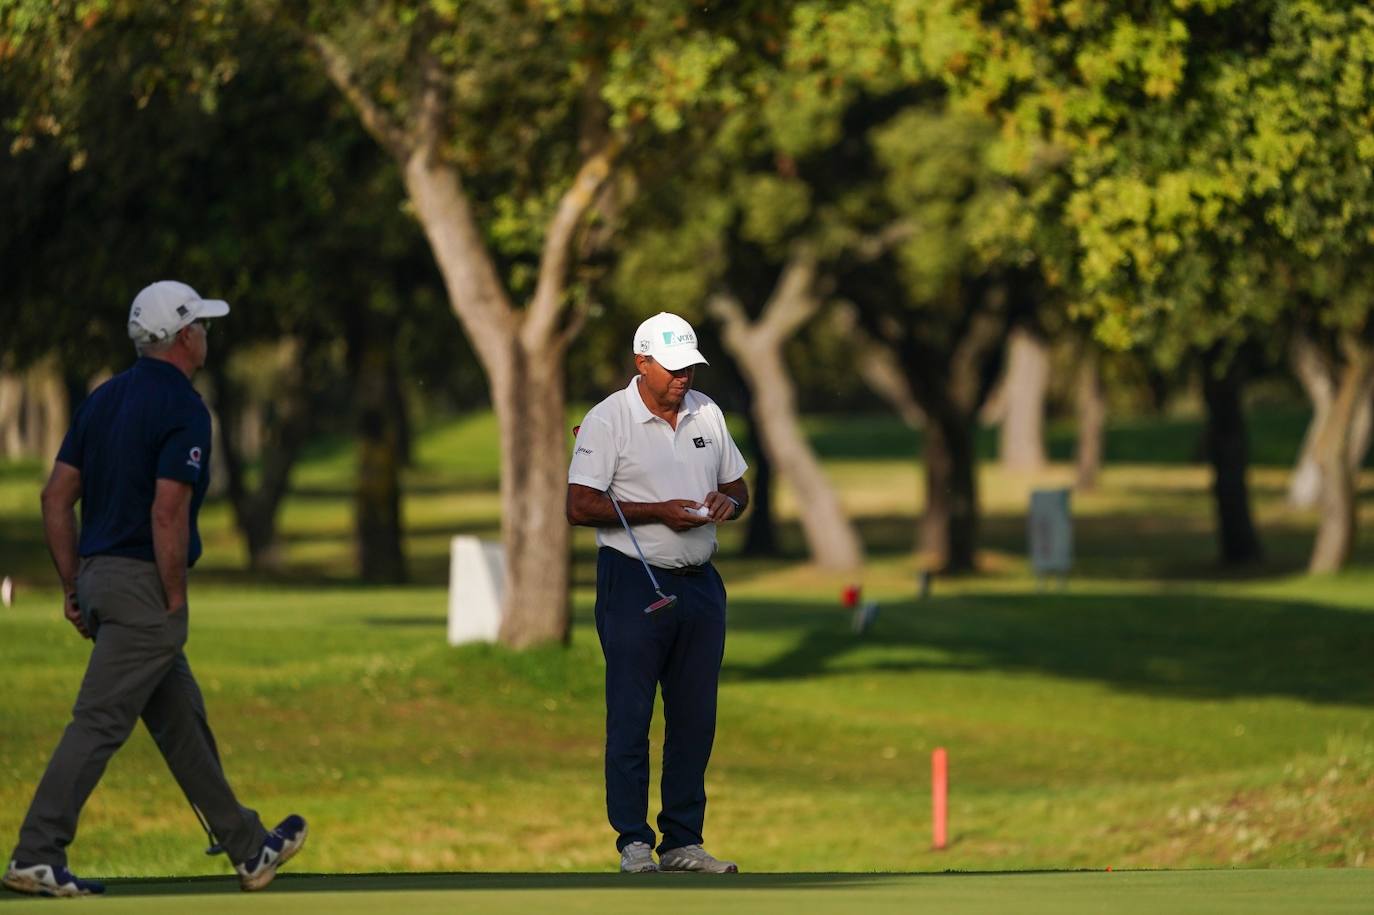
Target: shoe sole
<point>31,887</point>
<point>647,869</point>
<point>260,881</point>
<point>669,869</point>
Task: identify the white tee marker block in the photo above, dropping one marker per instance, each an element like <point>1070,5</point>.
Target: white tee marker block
<point>476,576</point>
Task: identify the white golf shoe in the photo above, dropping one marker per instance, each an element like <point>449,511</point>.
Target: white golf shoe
<point>637,858</point>
<point>694,858</point>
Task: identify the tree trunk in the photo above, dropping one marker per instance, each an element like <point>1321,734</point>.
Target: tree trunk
<point>1228,452</point>
<point>1092,415</point>
<point>523,356</point>
<point>1312,372</point>
<point>949,526</point>
<point>1336,530</point>
<point>1026,383</point>
<point>761,536</point>
<point>11,407</point>
<point>830,536</point>
<point>277,446</point>
<point>757,348</point>
<point>760,532</point>
<point>522,351</point>
<point>1315,373</point>
<point>934,525</point>
<point>534,486</point>
<point>46,410</point>
<point>951,397</point>
<point>377,496</point>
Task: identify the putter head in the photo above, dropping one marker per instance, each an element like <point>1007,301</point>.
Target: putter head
<point>664,601</point>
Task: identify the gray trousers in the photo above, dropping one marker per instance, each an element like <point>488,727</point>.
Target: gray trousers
<point>137,670</point>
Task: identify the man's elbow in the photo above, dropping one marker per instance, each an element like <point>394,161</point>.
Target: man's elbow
<point>576,516</point>
<point>580,507</point>
<point>167,515</point>
<point>55,499</point>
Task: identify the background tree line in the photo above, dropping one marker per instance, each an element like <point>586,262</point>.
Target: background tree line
<point>438,205</point>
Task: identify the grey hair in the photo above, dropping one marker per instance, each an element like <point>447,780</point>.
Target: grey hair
<point>154,347</point>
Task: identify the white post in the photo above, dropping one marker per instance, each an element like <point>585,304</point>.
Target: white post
<point>476,573</point>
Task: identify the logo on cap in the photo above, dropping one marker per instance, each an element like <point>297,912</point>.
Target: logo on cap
<point>644,345</point>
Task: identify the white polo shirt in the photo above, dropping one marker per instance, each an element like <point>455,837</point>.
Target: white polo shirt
<point>640,458</point>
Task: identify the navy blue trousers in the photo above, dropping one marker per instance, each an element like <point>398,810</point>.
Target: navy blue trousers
<point>680,649</point>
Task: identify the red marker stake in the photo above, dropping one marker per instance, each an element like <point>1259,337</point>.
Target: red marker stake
<point>939,791</point>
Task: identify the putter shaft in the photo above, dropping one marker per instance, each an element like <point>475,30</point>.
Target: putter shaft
<point>665,600</point>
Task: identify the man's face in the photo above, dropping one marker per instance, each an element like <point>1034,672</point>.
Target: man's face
<point>197,342</point>
<point>666,387</point>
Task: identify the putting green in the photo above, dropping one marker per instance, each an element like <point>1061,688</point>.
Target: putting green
<point>1216,892</point>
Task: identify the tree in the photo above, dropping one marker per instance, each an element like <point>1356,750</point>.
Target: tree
<point>795,201</point>
<point>508,123</point>
<point>251,178</point>
<point>1219,158</point>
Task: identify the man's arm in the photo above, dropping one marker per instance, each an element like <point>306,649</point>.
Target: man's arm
<point>172,538</point>
<point>728,502</point>
<point>60,496</point>
<point>593,508</point>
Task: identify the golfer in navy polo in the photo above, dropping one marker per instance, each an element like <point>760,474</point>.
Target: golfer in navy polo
<point>659,454</point>
<point>137,457</point>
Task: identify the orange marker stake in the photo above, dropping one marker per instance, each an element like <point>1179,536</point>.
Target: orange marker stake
<point>939,792</point>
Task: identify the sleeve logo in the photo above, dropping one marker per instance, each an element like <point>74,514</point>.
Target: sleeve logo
<point>193,458</point>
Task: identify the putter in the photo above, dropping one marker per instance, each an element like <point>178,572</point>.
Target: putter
<point>665,600</point>
<point>215,848</point>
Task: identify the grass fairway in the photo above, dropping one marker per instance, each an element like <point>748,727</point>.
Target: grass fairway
<point>1242,892</point>
<point>1156,715</point>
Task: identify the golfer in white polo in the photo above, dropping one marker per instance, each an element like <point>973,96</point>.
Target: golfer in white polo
<point>659,453</point>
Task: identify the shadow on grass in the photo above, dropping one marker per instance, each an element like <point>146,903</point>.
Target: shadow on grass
<point>344,883</point>
<point>408,622</point>
<point>1178,644</point>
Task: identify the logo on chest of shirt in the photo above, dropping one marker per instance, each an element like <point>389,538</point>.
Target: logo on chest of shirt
<point>701,441</point>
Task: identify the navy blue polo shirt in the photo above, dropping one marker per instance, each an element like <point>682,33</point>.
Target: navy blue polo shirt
<point>144,424</point>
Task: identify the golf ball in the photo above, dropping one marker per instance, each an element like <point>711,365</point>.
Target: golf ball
<point>700,510</point>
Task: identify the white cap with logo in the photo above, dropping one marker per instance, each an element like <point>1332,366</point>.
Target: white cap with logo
<point>165,307</point>
<point>670,341</point>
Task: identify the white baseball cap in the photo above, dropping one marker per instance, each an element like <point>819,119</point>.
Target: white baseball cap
<point>670,340</point>
<point>165,307</point>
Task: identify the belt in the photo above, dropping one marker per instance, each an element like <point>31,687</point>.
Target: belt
<point>680,571</point>
<point>686,571</point>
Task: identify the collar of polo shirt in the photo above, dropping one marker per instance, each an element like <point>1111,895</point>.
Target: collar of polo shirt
<point>640,410</point>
